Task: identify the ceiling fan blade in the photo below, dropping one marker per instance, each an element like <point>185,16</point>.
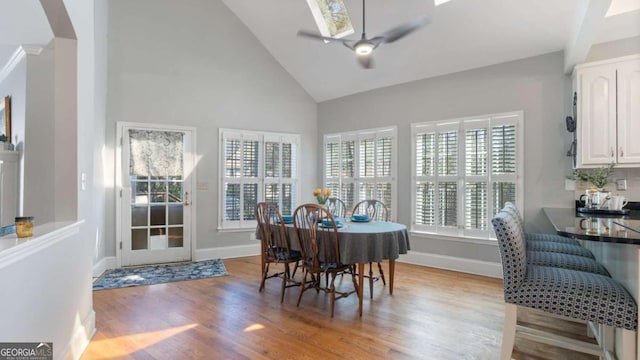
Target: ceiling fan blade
<point>403,30</point>
<point>366,61</point>
<point>308,34</point>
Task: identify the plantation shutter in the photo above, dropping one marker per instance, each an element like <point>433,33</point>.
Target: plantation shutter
<point>425,156</point>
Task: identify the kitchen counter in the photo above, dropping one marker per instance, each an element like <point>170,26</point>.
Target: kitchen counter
<point>601,228</point>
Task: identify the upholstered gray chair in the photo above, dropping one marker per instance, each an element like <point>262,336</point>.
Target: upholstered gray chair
<point>562,292</point>
<point>547,242</point>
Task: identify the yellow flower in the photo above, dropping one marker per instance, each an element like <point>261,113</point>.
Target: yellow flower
<point>322,195</point>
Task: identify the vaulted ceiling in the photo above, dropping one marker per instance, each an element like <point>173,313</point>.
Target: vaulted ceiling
<point>463,34</point>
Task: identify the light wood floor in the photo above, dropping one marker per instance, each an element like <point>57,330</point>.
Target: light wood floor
<point>433,314</point>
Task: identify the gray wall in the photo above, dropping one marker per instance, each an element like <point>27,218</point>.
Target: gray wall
<point>535,85</point>
<point>193,63</point>
<point>613,49</point>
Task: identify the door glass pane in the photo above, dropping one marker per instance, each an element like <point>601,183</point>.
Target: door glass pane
<point>140,193</point>
<point>175,214</point>
<point>158,215</point>
<point>158,192</point>
<point>138,239</point>
<point>175,191</point>
<point>139,216</point>
<point>158,239</point>
<point>176,238</point>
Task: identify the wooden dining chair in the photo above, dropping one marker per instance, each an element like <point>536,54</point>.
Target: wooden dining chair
<point>320,249</point>
<point>376,210</point>
<point>336,207</point>
<point>276,246</point>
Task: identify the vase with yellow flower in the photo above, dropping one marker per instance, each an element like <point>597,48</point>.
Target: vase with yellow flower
<point>322,195</point>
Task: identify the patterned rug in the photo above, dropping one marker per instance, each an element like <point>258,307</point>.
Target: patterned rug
<point>157,274</point>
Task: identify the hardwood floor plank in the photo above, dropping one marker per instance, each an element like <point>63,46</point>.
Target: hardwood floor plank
<point>433,314</point>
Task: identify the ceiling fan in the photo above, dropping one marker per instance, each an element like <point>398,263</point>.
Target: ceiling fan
<point>364,47</point>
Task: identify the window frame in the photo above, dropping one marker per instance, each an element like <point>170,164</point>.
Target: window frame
<point>461,125</point>
<point>358,136</point>
<point>261,180</point>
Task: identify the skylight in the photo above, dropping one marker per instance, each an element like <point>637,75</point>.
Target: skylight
<point>618,7</point>
<point>440,2</point>
<point>331,17</point>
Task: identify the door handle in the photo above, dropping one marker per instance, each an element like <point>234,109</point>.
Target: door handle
<point>621,152</point>
<point>186,199</point>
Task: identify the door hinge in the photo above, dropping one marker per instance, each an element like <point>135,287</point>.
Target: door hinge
<point>120,192</point>
<point>120,245</point>
<point>120,141</point>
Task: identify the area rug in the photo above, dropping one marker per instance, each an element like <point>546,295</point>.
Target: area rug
<point>157,274</point>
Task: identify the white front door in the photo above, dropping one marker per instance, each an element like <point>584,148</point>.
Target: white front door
<point>156,195</point>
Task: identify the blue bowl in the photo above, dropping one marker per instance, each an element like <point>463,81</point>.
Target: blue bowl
<point>360,217</point>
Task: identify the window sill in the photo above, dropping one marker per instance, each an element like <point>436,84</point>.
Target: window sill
<point>435,236</point>
<point>232,230</point>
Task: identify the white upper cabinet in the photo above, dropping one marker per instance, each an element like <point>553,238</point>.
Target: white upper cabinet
<point>608,112</point>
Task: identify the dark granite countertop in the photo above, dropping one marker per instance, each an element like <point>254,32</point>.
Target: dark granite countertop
<point>623,229</point>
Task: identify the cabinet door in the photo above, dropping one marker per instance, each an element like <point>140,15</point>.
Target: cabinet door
<point>597,115</point>
<point>629,112</point>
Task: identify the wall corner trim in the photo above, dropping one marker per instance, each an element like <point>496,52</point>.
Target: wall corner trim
<point>17,56</point>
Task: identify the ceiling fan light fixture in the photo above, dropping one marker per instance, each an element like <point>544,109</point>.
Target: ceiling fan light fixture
<point>364,48</point>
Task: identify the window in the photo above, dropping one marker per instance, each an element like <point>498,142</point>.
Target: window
<point>464,171</point>
<point>362,165</point>
<point>331,18</point>
<point>255,167</point>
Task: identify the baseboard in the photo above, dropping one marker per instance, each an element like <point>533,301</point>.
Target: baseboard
<point>470,266</point>
<point>80,338</point>
<point>103,265</point>
<point>227,252</point>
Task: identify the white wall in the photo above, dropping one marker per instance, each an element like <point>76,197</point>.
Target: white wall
<point>535,85</point>
<point>194,63</point>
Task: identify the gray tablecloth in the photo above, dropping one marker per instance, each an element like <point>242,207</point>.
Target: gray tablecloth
<point>366,242</point>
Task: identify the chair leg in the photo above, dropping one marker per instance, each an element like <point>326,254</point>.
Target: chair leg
<point>384,282</point>
<point>265,271</point>
<point>285,279</point>
<point>303,284</point>
<point>370,281</point>
<point>509,331</point>
<point>332,290</point>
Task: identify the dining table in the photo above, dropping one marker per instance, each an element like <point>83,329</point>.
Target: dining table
<point>366,242</point>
